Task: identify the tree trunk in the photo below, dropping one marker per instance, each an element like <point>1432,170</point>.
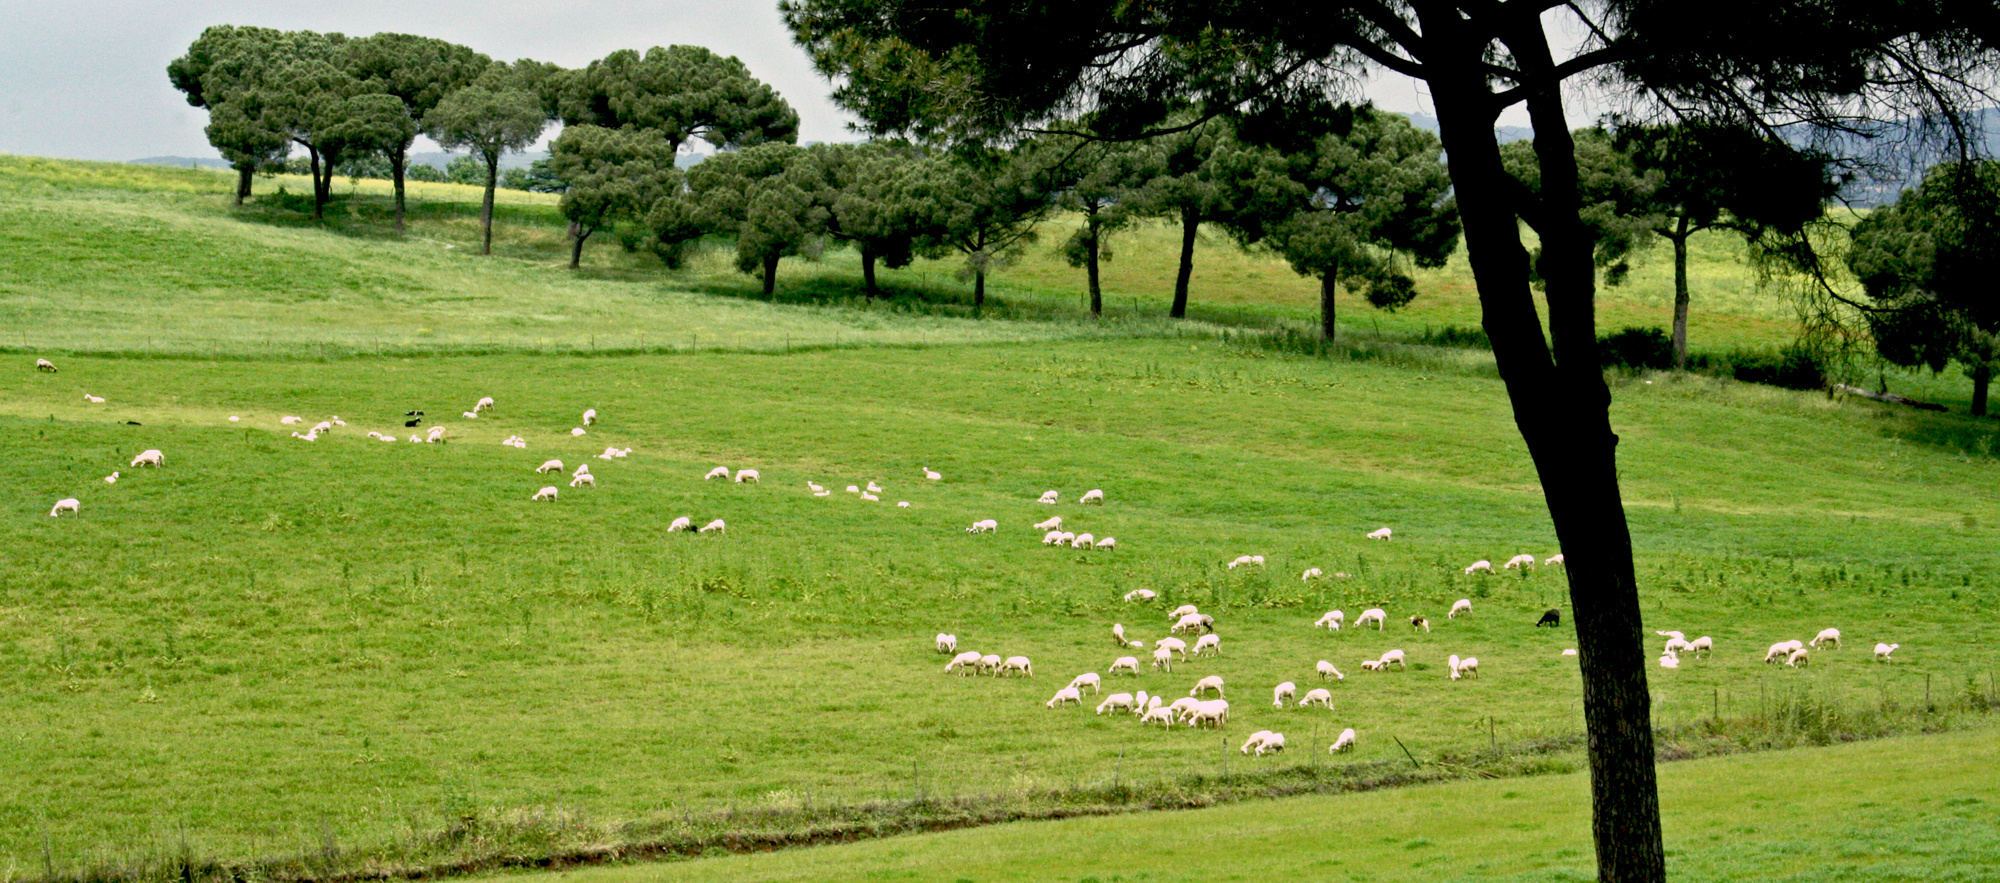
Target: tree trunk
<point>1327,286</point>
<point>978,290</point>
<point>1982,374</point>
<point>398,161</point>
<point>486,205</point>
<point>243,174</point>
<point>1190,224</point>
<point>868,273</point>
<point>1096,290</point>
<point>1680,239</point>
<point>319,196</point>
<point>1562,409</point>
<point>770,276</point>
<point>576,244</point>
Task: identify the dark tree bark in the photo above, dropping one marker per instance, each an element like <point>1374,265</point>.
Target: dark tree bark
<point>576,244</point>
<point>1091,248</point>
<point>486,205</point>
<point>243,175</point>
<point>1190,224</point>
<point>319,194</point>
<point>1982,374</point>
<point>868,273</point>
<point>978,290</point>
<point>1327,287</point>
<point>397,162</point>
<point>1680,240</point>
<point>770,276</point>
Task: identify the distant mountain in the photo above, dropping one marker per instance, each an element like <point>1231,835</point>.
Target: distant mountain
<point>186,162</point>
<point>1506,133</point>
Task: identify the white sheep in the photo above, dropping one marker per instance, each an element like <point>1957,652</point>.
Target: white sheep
<point>1826,636</point>
<point>1215,712</point>
<point>1065,538</point>
<point>1093,495</point>
<point>1048,497</point>
<point>1115,702</point>
<point>578,432</point>
<point>1118,634</point>
<point>482,404</point>
<point>1381,534</point>
<point>550,466</point>
<point>932,475</point>
<point>1210,643</point>
<point>715,526</point>
<point>547,493</point>
<point>990,663</point>
<point>1019,664</point>
<point>1555,560</point>
<point>1669,659</point>
<point>1420,622</point>
<point>1677,646</point>
<point>1163,659</point>
<point>470,415</point>
<point>1162,715</point>
<point>681,523</point>
<point>416,439</point>
<point>717,472</point>
<point>1344,743</point>
<point>233,418</point>
<point>985,526</point>
<point>1082,541</point>
<point>386,438</point>
<point>871,498</point>
<point>1212,682</point>
<point>1175,644</point>
<point>1183,707</point>
<point>1376,615</point>
<point>1371,665</point>
<point>111,479</point>
<point>1327,670</point>
<point>1282,692</point>
<point>1519,561</point>
<point>751,475</point>
<point>1480,566</point>
<point>852,489</point>
<point>1139,703</point>
<point>947,643</point>
<point>963,663</point>
<point>1319,696</point>
<point>1051,538</point>
<point>589,416</point>
<point>95,400</point>
<point>1882,652</point>
<point>1272,744</point>
<point>1464,668</point>
<point>1256,739</point>
<point>1106,545</point>
<point>1462,605</point>
<point>149,457</point>
<point>1140,595</point>
<point>1672,633</point>
<point>67,504</point>
<point>1799,657</point>
<point>310,436</point>
<point>581,468</point>
<point>815,487</point>
<point>1569,652</point>
<point>1183,610</point>
<point>823,493</point>
<point>1127,664</point>
<point>1194,622</point>
<point>1312,573</point>
<point>1331,620</point>
<point>1090,679</point>
<point>1065,696</point>
<point>1702,646</point>
<point>1781,649</point>
<point>289,420</point>
<point>45,365</point>
<point>874,488</point>
<point>1393,657</point>
<point>584,478</point>
<point>1054,522</point>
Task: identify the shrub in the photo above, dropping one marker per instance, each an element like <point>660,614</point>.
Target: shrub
<point>1792,367</point>
<point>1636,348</point>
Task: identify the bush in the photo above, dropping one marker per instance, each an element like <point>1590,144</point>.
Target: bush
<point>1636,348</point>
<point>1791,368</point>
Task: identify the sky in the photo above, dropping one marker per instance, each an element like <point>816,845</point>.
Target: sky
<point>86,79</point>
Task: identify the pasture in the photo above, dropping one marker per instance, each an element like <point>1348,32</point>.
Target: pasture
<point>349,649</point>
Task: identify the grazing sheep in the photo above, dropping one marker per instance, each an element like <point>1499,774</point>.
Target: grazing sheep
<point>1118,633</point>
<point>578,432</point>
<point>547,493</point>
<point>1188,623</point>
<point>1083,540</point>
<point>1282,692</point>
<point>1780,650</point>
<point>1141,595</point>
<point>1139,704</point>
<point>581,468</point>
<point>1826,636</point>
<point>932,475</point>
<point>1330,621</point>
<point>1376,615</point>
<point>550,466</point>
<point>1555,560</point>
<point>1672,634</point>
<point>1247,559</point>
<point>111,479</point>
<point>1126,664</point>
<point>583,478</point>
<point>1272,744</point>
<point>1163,659</point>
<point>1319,696</point>
<point>990,663</point>
<point>1215,712</point>
<point>589,416</point>
<point>717,472</point>
<point>1092,496</point>
<point>67,504</point>
<point>1380,534</point>
<point>1480,566</point>
<point>1116,702</point>
<point>288,420</point>
<point>149,457</point>
<point>681,523</point>
<point>1019,664</point>
<point>1106,545</point>
<point>947,643</point>
<point>751,475</point>
<point>1182,707</point>
<point>1569,652</point>
<point>874,488</point>
<point>1327,670</point>
<point>715,526</point>
<point>1183,610</point>
<point>814,487</point>
<point>871,498</point>
<point>1462,605</point>
<point>986,526</point>
<point>1669,659</point>
<point>95,400</point>
<point>1052,538</point>
<point>1310,574</point>
<point>1208,643</point>
<point>1678,646</point>
<point>1065,539</point>
<point>1048,497</point>
<point>1256,739</point>
<point>1163,716</point>
<point>1344,743</point>
<point>1393,657</point>
<point>1089,679</point>
<point>1212,682</point>
<point>823,493</point>
<point>1054,522</point>
<point>1799,657</point>
<point>1371,665</point>
<point>470,415</point>
<point>611,453</point>
<point>482,404</point>
<point>1175,644</point>
<point>1064,696</point>
<point>1419,622</point>
<point>853,490</point>
<point>1551,617</point>
<point>1464,668</point>
<point>1882,652</point>
<point>45,365</point>
<point>964,663</point>
<point>1702,646</point>
<point>1519,561</point>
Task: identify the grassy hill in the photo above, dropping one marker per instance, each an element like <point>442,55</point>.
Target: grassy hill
<point>347,653</point>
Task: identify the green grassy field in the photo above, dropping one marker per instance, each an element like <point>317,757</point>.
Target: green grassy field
<point>273,647</point>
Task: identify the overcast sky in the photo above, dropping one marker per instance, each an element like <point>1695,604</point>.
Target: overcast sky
<point>86,79</point>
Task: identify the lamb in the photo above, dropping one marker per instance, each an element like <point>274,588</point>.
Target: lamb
<point>1210,642</point>
<point>67,504</point>
<point>1214,711</point>
<point>871,498</point>
<point>584,478</point>
<point>1163,659</point>
<point>1882,652</point>
<point>1678,646</point>
<point>1212,682</point>
<point>1310,574</point>
<point>1106,545</point>
<point>45,365</point>
<point>1702,646</point>
<point>1093,495</point>
<point>1115,702</point>
<point>482,404</point>
<point>1327,670</point>
<point>95,400</point>
<point>963,663</point>
<point>814,486</point>
<point>1127,664</point>
<point>1555,560</point>
<point>1380,534</point>
<point>1272,744</point>
<point>1163,716</point>
<point>1048,497</point>
<point>1020,664</point>
<point>1799,657</point>
<point>1464,668</point>
<point>1175,644</point>
<point>1780,650</point>
<point>717,472</point>
<point>1330,621</point>
<point>1393,657</point>
<point>1054,521</point>
<point>986,526</point>
<point>1462,605</point>
<point>111,479</point>
<point>1319,696</point>
<point>681,523</point>
<point>1064,696</point>
<point>1669,659</point>
<point>1551,617</point>
<point>850,488</point>
<point>715,526</point>
<point>547,493</point>
<point>1376,615</point>
<point>1256,739</point>
<point>611,453</point>
<point>1183,610</point>
<point>550,466</point>
<point>932,475</point>
<point>874,488</point>
<point>751,475</point>
<point>589,416</point>
<point>581,468</point>
<point>990,663</point>
<point>1140,595</point>
<point>1344,743</point>
<point>1282,692</point>
<point>149,457</point>
<point>1480,566</point>
<point>947,643</point>
<point>1083,540</point>
<point>1519,561</point>
<point>1065,538</point>
<point>578,432</point>
<point>1419,622</point>
<point>1826,636</point>
<point>1118,634</point>
<point>1052,538</point>
<point>1089,679</point>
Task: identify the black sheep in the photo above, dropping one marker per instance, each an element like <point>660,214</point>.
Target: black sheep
<point>1553,617</point>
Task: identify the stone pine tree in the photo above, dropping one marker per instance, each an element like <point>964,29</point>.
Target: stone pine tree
<point>983,204</point>
<point>419,72</point>
<point>1186,188</point>
<point>226,71</point>
<point>490,118</point>
<point>611,175</point>
<point>680,93</point>
<point>1099,181</point>
<point>1928,264</point>
<point>770,198</point>
<point>868,203</point>
<point>991,70</point>
<point>331,114</point>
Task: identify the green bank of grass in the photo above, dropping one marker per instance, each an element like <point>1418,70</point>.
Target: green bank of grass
<point>1919,808</point>
<point>272,645</point>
